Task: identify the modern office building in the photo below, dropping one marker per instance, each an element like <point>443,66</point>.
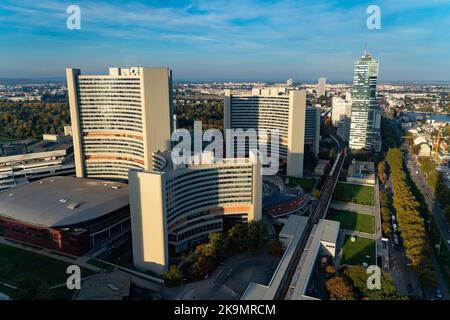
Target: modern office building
<point>343,129</point>
<point>179,205</point>
<point>321,87</point>
<point>277,109</point>
<point>341,115</point>
<point>119,120</point>
<point>366,117</point>
<point>67,214</point>
<point>27,160</point>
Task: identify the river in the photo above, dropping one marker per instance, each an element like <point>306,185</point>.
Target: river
<point>430,116</point>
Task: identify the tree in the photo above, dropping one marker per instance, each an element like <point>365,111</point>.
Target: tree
<point>204,265</point>
<point>257,234</point>
<point>173,276</point>
<point>248,236</point>
<point>382,171</point>
<point>274,248</point>
<point>216,247</point>
<point>339,289</point>
<point>357,276</point>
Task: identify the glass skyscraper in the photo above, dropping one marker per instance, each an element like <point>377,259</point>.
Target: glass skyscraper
<point>366,117</point>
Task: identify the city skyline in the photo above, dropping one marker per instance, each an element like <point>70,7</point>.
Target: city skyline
<point>259,41</point>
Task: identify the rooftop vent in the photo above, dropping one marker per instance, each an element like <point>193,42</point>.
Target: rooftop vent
<point>73,205</point>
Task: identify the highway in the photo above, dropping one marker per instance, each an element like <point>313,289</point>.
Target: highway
<point>319,211</point>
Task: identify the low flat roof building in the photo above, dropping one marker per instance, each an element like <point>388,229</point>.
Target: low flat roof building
<point>28,160</point>
<point>361,172</point>
<point>290,236</point>
<point>112,286</point>
<point>65,213</point>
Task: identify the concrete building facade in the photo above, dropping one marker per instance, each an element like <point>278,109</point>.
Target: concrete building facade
<point>321,87</point>
<point>276,109</point>
<point>119,120</point>
<point>179,205</point>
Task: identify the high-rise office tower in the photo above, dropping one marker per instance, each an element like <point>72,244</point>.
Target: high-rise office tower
<point>179,205</point>
<point>321,87</point>
<point>119,120</point>
<point>366,118</point>
<point>268,109</point>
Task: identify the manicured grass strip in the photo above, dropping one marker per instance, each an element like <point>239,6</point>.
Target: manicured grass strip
<point>354,193</point>
<point>20,268</point>
<point>354,253</point>
<point>353,221</point>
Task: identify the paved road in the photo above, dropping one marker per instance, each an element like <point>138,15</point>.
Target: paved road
<point>230,279</point>
<point>352,207</point>
<point>402,275</point>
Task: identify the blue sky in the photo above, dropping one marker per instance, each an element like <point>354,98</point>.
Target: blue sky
<point>227,39</point>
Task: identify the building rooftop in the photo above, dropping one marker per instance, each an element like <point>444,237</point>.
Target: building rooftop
<point>112,286</point>
<point>329,231</point>
<point>63,201</point>
<point>32,148</point>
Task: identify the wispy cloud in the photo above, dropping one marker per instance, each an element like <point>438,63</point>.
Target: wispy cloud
<point>237,32</point>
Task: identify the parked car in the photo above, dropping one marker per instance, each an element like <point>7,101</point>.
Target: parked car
<point>393,218</point>
<point>396,241</point>
<point>394,227</point>
<point>438,294</point>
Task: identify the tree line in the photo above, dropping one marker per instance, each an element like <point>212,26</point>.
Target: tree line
<point>410,222</point>
<point>21,120</point>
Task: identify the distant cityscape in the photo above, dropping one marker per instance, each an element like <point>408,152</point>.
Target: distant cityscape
<point>89,178</point>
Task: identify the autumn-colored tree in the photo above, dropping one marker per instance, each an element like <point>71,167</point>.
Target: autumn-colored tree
<point>173,276</point>
<point>339,289</point>
<point>204,265</point>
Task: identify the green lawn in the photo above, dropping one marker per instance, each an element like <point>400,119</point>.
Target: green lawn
<point>353,221</point>
<point>354,193</point>
<point>25,269</point>
<point>354,253</point>
<point>305,183</point>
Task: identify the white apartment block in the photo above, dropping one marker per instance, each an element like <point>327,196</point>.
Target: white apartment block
<point>119,119</point>
<point>180,205</point>
<point>321,87</point>
<point>276,109</point>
